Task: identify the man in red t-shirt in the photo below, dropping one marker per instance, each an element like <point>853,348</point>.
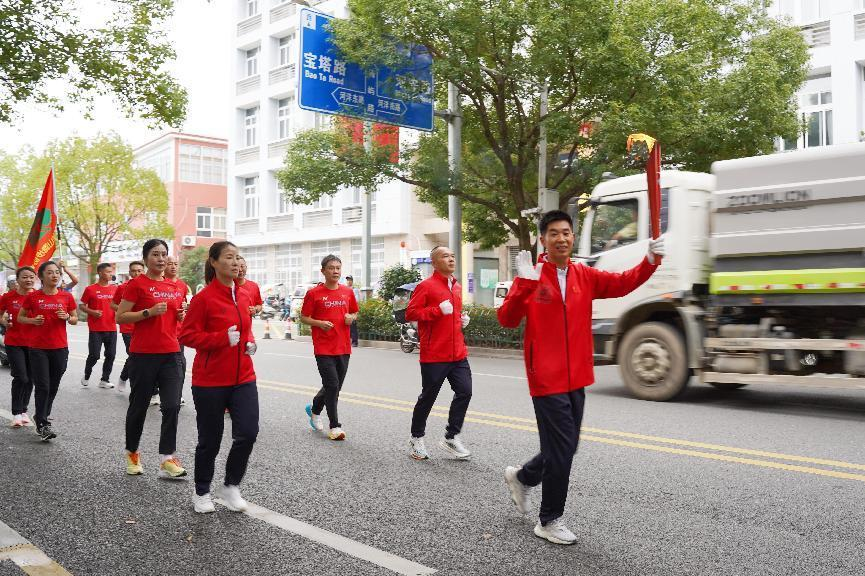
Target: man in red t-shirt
<point>135,269</point>
<point>96,303</point>
<point>251,288</point>
<point>172,268</point>
<point>330,309</point>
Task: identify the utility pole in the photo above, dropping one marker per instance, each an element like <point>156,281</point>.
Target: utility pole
<point>547,199</point>
<point>455,210</point>
<point>366,221</point>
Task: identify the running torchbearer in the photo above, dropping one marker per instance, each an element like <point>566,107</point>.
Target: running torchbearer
<point>436,305</point>
<point>96,302</point>
<point>555,297</point>
<point>330,309</point>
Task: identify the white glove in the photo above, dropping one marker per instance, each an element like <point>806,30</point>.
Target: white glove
<point>525,268</point>
<point>446,307</point>
<point>656,248</point>
<point>251,348</point>
<point>233,336</point>
<point>465,319</point>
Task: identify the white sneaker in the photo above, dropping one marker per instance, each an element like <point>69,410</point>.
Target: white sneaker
<point>154,400</point>
<point>336,434</point>
<point>455,447</point>
<point>85,382</point>
<point>519,491</point>
<point>418,449</point>
<point>203,504</point>
<point>121,385</point>
<point>230,496</point>
<point>17,422</point>
<point>25,419</point>
<point>105,384</point>
<point>556,532</point>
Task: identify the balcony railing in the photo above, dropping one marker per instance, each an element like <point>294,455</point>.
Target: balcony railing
<point>817,35</point>
<point>353,214</point>
<point>244,155</point>
<point>283,73</point>
<point>249,84</point>
<point>318,218</point>
<point>281,223</point>
<point>277,149</point>
<point>282,11</point>
<point>242,227</point>
<point>248,25</point>
<point>859,26</point>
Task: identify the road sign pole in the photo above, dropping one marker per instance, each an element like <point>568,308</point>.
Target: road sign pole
<point>366,219</point>
<point>547,199</point>
<point>455,211</point>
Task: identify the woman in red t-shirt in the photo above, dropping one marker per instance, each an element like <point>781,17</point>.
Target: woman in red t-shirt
<point>151,304</point>
<point>17,344</point>
<point>47,311</point>
<point>219,327</point>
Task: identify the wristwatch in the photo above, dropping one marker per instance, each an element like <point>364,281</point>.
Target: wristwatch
<point>145,313</point>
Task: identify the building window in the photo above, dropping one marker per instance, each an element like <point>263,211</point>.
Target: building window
<point>354,196</point>
<point>160,163</point>
<point>210,222</point>
<point>202,164</point>
<point>319,251</point>
<point>289,265</point>
<point>815,9</point>
<point>256,263</point>
<point>817,119</point>
<point>286,50</point>
<point>323,203</point>
<point>252,62</point>
<point>250,197</point>
<point>283,206</point>
<point>323,121</point>
<point>283,117</point>
<point>251,8</point>
<point>250,124</point>
<point>376,260</point>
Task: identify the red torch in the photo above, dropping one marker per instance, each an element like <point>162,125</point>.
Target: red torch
<point>649,149</point>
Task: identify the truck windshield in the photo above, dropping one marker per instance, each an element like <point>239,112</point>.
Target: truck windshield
<point>614,224</point>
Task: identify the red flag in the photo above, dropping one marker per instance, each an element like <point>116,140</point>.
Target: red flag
<point>42,240</point>
<point>653,178</point>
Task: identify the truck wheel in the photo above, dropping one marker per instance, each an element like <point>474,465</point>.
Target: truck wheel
<point>726,385</point>
<point>653,362</point>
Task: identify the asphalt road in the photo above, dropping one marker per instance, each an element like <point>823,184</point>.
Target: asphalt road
<point>755,481</point>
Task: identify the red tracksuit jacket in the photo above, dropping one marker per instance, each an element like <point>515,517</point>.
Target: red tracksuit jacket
<point>211,313</point>
<point>558,339</point>
<point>441,337</point>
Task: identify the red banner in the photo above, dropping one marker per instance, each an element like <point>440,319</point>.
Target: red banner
<point>43,237</point>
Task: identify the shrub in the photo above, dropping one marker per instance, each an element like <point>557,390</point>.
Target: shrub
<point>375,321</point>
<point>394,277</point>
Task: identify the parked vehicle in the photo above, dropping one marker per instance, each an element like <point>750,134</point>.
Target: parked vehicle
<point>502,289</point>
<point>297,298</point>
<point>408,334</point>
<point>763,282</point>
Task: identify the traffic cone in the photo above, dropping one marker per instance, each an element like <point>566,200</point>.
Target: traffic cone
<point>287,335</point>
<point>267,329</point>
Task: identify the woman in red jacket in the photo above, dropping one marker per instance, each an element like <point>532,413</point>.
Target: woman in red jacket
<point>47,311</point>
<point>218,326</point>
<point>17,343</point>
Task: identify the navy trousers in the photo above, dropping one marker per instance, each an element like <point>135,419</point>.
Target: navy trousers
<point>559,418</point>
<point>433,375</point>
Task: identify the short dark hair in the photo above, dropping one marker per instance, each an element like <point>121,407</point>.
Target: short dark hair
<point>554,216</point>
<point>22,269</point>
<point>328,259</point>
<point>151,244</point>
<point>136,263</point>
<point>102,267</point>
<point>350,277</point>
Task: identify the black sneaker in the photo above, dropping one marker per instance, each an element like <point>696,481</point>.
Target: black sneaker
<point>47,433</point>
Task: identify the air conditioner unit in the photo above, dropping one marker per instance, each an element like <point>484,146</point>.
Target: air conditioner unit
<point>187,241</point>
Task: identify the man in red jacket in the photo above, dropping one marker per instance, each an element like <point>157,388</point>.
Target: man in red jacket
<point>436,305</point>
<point>555,297</point>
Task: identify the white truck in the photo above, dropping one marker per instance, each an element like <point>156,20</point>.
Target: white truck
<point>763,282</point>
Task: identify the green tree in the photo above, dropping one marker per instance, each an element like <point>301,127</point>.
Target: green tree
<point>684,71</point>
<point>102,198</point>
<point>192,266</point>
<point>394,277</point>
<point>45,43</point>
<point>20,190</point>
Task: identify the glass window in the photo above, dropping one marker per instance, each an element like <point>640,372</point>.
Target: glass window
<point>283,117</point>
<point>218,222</point>
<point>202,164</point>
<point>250,124</point>
<point>283,206</point>
<point>256,263</point>
<point>251,62</point>
<point>614,224</point>
<point>825,97</point>
<point>376,260</point>
<point>323,203</point>
<point>250,197</point>
<point>289,265</point>
<point>251,8</point>
<point>319,251</point>
<point>203,221</point>
<point>286,50</point>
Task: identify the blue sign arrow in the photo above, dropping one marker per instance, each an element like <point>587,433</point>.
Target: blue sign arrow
<point>332,85</point>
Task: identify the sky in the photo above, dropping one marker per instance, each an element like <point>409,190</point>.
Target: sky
<point>201,34</point>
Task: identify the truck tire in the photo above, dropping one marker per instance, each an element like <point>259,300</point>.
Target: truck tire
<point>653,362</point>
<point>726,385</point>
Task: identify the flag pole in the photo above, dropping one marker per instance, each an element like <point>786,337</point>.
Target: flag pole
<point>54,187</point>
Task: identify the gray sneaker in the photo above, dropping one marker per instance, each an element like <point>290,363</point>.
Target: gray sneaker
<point>519,491</point>
<point>455,447</point>
<point>418,449</point>
<point>556,532</point>
<point>46,433</point>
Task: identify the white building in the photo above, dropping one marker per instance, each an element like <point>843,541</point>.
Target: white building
<point>284,243</point>
<point>832,100</point>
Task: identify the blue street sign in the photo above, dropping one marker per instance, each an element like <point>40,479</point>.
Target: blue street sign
<point>331,85</point>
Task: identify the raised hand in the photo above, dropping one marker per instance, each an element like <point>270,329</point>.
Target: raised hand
<point>525,268</point>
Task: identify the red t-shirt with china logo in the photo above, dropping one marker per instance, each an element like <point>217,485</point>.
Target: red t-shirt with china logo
<point>118,296</point>
<point>157,334</point>
<point>51,335</point>
<point>98,297</point>
<point>322,303</point>
<point>17,334</point>
<point>183,289</point>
